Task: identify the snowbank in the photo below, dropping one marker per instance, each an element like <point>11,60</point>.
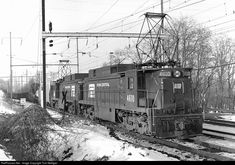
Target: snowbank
<point>83,140</point>
<point>24,134</point>
<point>4,156</point>
<point>230,117</point>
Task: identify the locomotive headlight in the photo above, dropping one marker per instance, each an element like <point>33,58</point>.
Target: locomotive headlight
<point>177,73</point>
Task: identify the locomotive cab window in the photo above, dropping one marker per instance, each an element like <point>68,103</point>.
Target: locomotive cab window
<point>178,87</point>
<point>130,83</point>
<point>94,73</point>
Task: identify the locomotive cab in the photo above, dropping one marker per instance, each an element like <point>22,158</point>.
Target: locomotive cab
<point>167,95</point>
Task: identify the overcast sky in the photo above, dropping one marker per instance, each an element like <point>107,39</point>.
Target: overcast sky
<point>22,18</point>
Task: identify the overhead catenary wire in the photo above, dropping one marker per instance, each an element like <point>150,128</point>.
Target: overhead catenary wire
<point>206,10</point>
<point>142,5</point>
<point>175,9</point>
<point>227,31</point>
<point>104,13</point>
<point>123,18</point>
<point>31,27</point>
<point>157,5</point>
<point>117,27</point>
<point>213,67</point>
<point>139,20</point>
<point>222,23</point>
<point>136,13</point>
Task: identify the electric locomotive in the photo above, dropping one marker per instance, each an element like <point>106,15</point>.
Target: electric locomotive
<point>153,101</point>
<point>149,101</point>
<point>73,86</point>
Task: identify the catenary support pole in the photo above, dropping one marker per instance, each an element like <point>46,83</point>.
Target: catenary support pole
<point>43,55</point>
<point>77,56</point>
<point>11,69</point>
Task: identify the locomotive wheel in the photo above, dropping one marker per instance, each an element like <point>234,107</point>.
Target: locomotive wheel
<point>56,105</point>
<point>90,112</point>
<point>91,116</point>
<point>86,114</point>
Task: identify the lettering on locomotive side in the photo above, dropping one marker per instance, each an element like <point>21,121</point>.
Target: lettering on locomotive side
<point>131,98</point>
<point>102,84</point>
<point>73,91</point>
<point>67,87</point>
<point>91,91</point>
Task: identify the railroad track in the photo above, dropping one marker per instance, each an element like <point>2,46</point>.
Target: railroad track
<point>220,122</point>
<point>211,153</point>
<point>219,134</point>
<point>219,128</point>
<point>117,132</point>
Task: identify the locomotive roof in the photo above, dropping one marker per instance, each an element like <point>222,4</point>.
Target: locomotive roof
<point>170,68</point>
<point>75,76</point>
<point>118,68</point>
<point>107,70</point>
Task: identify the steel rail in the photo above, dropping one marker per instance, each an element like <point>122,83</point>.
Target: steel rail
<point>220,122</point>
<point>219,132</point>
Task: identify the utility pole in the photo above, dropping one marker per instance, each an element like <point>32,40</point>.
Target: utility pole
<point>77,56</point>
<point>10,83</point>
<point>26,76</point>
<point>162,31</point>
<point>43,55</point>
<point>77,53</point>
<point>21,84</point>
<point>11,69</point>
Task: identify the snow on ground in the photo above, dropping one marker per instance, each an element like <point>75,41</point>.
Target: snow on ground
<point>230,117</point>
<point>220,142</point>
<point>4,156</point>
<point>54,114</point>
<point>3,109</point>
<point>83,140</point>
<point>219,128</point>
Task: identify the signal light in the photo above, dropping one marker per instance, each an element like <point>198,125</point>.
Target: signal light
<point>50,43</point>
<point>50,26</point>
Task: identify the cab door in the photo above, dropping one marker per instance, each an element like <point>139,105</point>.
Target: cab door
<point>173,94</point>
<point>168,98</point>
<point>178,95</point>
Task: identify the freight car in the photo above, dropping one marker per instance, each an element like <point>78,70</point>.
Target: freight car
<point>153,101</point>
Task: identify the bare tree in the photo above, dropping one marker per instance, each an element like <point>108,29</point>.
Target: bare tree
<point>194,50</point>
<point>126,55</point>
<point>224,49</point>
